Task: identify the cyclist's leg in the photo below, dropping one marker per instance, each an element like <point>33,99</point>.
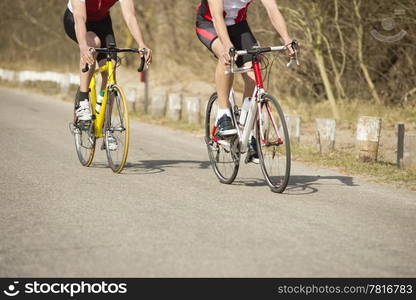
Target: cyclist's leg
<point>223,81</point>
<point>106,35</point>
<point>249,82</point>
<point>82,102</point>
<point>208,36</point>
<point>248,41</point>
<point>94,42</point>
<point>245,40</point>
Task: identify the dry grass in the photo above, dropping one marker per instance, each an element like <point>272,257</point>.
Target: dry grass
<point>347,162</point>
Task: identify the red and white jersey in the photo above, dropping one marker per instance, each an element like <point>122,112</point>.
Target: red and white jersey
<point>235,11</point>
<point>97,10</point>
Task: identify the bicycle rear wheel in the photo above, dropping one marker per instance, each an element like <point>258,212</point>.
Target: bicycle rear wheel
<point>116,129</point>
<point>274,145</point>
<point>84,137</point>
<point>223,154</point>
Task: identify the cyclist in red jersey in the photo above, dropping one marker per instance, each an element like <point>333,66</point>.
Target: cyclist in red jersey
<point>222,25</point>
<point>88,23</point>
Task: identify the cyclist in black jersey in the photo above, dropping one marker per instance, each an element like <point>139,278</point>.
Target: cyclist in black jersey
<point>88,23</point>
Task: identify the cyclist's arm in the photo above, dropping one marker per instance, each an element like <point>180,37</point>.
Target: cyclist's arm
<point>129,15</point>
<point>80,18</point>
<point>217,10</point>
<point>277,19</point>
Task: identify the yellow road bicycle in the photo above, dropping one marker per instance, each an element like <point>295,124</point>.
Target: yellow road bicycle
<point>111,122</point>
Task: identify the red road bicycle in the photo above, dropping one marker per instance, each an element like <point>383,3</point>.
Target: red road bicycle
<point>265,117</point>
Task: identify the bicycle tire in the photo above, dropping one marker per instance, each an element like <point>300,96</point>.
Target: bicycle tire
<point>221,156</point>
<point>117,125</point>
<point>273,147</point>
<point>84,140</point>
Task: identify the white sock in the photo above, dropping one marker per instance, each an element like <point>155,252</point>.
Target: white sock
<point>222,112</point>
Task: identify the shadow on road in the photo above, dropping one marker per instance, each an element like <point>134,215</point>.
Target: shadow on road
<point>300,184</point>
<point>159,166</point>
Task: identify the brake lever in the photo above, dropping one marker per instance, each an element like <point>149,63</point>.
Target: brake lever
<point>143,65</point>
<point>294,57</point>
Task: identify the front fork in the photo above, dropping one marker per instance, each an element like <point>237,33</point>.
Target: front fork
<point>263,103</point>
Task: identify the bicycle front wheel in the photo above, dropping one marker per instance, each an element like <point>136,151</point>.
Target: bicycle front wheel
<point>223,154</point>
<point>274,145</point>
<point>116,129</point>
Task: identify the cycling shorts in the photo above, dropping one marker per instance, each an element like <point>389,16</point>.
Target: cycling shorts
<point>103,29</point>
<point>240,35</point>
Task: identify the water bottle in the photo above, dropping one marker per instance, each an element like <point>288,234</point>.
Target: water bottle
<point>244,110</point>
<point>99,101</point>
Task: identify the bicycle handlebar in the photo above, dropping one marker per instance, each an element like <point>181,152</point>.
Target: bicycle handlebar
<point>294,45</point>
<point>142,53</point>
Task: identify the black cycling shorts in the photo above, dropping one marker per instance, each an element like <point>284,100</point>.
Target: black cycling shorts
<point>240,35</point>
<point>103,29</point>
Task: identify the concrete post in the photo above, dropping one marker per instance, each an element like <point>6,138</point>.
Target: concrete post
<point>159,104</point>
<point>325,134</point>
<point>174,108</point>
<point>193,108</point>
<point>368,137</point>
<point>293,126</point>
<point>409,155</point>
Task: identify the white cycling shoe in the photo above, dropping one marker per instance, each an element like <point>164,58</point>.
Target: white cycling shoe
<point>83,112</point>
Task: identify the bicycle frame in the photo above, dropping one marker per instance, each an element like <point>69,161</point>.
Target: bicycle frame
<point>255,111</point>
<point>99,117</point>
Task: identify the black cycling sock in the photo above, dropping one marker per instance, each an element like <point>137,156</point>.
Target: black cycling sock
<point>83,95</point>
<point>80,97</point>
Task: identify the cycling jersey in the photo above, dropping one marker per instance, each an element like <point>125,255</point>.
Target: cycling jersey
<point>235,11</point>
<point>97,10</point>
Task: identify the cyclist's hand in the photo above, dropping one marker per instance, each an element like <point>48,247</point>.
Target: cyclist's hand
<point>225,56</point>
<point>148,54</point>
<point>86,56</point>
<point>288,43</point>
<point>293,48</point>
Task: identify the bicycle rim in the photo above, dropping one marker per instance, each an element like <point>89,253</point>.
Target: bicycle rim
<point>274,150</point>
<point>84,143</point>
<point>84,139</point>
<point>116,128</point>
<point>222,154</point>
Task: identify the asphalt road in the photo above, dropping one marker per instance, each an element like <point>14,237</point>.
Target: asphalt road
<point>167,215</point>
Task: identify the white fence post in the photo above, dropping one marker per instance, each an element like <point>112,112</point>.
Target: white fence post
<point>159,104</point>
<point>8,75</point>
<point>325,134</point>
<point>193,107</point>
<point>368,137</point>
<point>293,126</point>
<point>409,154</point>
<point>174,107</point>
<point>131,95</point>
